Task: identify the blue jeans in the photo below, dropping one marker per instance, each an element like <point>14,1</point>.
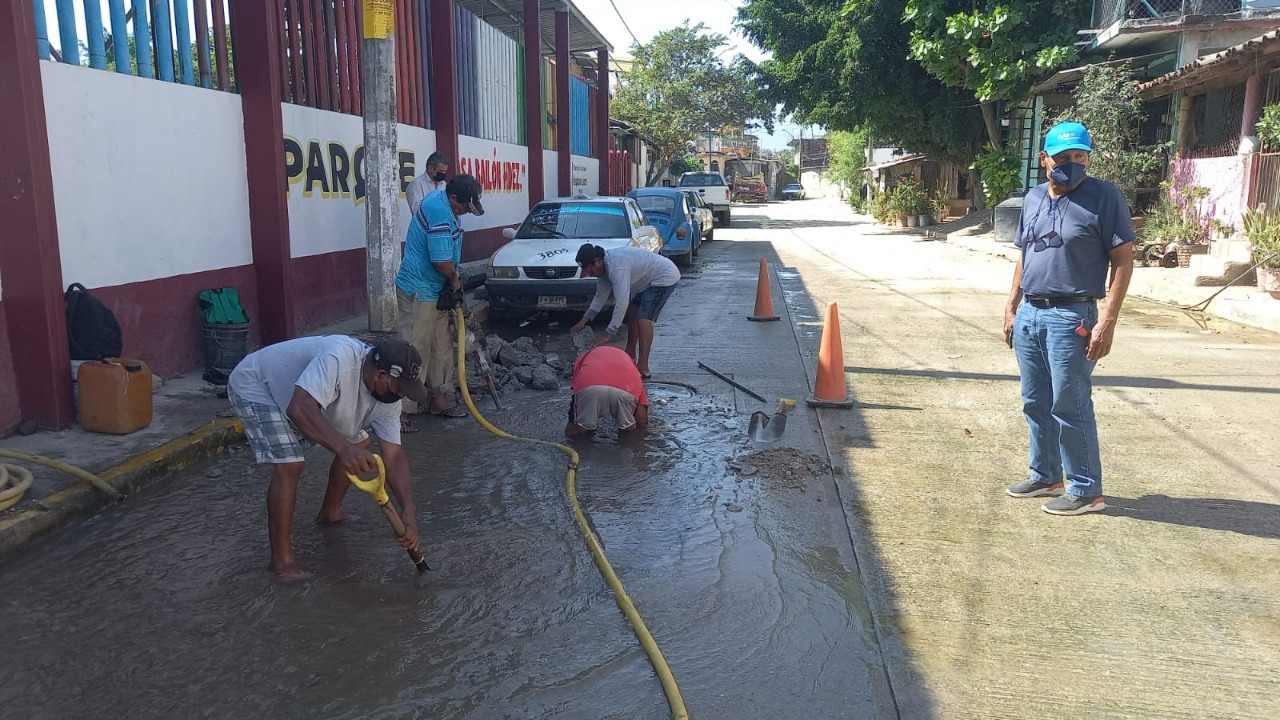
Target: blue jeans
<point>1057,395</point>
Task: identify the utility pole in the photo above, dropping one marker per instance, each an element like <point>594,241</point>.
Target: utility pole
<point>800,156</point>
<point>381,226</point>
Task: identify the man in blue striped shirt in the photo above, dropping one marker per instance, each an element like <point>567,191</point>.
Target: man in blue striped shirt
<point>433,250</point>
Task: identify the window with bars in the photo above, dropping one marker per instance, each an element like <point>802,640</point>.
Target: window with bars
<point>1216,119</point>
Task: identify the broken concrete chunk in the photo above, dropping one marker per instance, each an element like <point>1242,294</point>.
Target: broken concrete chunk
<point>524,344</point>
<point>492,346</point>
<point>544,378</point>
<point>583,340</point>
<point>508,356</point>
<point>523,374</point>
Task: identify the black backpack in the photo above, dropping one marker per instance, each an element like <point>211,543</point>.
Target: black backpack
<point>92,329</point>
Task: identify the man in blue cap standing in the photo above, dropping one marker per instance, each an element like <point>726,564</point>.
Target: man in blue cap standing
<point>1073,230</point>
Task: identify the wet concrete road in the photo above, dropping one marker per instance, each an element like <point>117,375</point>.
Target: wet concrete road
<point>904,585</point>
<point>162,607</point>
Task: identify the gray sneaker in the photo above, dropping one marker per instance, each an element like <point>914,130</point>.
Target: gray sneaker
<point>1030,488</point>
<point>1070,504</point>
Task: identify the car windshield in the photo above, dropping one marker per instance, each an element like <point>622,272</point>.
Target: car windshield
<point>701,180</point>
<point>657,203</point>
<point>694,198</point>
<point>795,186</point>
<point>578,220</point>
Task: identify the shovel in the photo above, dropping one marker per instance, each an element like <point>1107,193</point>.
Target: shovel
<point>769,428</point>
<point>377,487</point>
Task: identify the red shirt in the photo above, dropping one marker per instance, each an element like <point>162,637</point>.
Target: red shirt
<point>609,366</point>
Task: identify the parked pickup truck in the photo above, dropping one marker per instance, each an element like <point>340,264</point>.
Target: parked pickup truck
<point>713,189</point>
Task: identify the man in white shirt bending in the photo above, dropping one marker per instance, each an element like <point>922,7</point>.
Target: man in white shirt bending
<point>640,283</point>
<point>328,389</point>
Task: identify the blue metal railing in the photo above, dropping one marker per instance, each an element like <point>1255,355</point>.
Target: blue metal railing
<point>579,116</point>
<point>163,39</point>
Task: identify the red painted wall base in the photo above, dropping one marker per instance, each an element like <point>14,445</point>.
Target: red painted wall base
<point>9,414</point>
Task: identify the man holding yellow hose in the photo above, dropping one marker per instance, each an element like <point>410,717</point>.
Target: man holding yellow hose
<point>329,389</point>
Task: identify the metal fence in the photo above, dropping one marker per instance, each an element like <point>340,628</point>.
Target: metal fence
<point>185,41</point>
<point>1108,12</point>
<point>1266,181</point>
<point>491,97</point>
<point>321,47</point>
<point>579,116</point>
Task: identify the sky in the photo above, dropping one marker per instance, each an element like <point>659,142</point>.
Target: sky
<point>646,18</point>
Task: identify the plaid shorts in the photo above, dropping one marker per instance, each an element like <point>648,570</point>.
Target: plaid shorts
<point>270,433</point>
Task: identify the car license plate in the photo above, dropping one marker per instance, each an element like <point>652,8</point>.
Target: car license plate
<point>552,301</point>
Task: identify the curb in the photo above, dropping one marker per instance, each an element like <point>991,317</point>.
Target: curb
<point>75,504</point>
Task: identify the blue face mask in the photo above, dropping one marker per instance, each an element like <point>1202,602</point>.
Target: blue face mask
<point>1069,174</point>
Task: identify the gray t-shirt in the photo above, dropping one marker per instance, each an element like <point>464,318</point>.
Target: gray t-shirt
<point>1066,242</point>
<point>329,369</point>
<point>628,271</point>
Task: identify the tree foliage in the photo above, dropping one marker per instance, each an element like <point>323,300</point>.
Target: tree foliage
<point>847,155</point>
<point>684,164</point>
<point>678,88</point>
<point>1106,101</point>
<point>848,66</point>
<point>995,49</point>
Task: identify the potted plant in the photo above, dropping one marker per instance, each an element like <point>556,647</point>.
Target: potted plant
<point>922,207</point>
<point>898,204</point>
<point>1193,227</point>
<point>940,204</point>
<point>1262,229</point>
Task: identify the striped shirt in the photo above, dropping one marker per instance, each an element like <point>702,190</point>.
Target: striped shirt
<point>434,236</point>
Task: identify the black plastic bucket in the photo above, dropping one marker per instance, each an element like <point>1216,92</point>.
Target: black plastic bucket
<point>225,345</point>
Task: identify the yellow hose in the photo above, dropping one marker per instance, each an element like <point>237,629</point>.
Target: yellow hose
<point>674,699</point>
<point>13,494</point>
<point>12,489</point>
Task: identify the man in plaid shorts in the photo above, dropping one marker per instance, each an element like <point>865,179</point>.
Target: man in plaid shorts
<point>328,389</point>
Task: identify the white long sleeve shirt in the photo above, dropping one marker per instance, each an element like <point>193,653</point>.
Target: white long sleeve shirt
<point>421,187</point>
<point>628,272</point>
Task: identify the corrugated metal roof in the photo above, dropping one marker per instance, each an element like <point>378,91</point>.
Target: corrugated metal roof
<point>508,17</point>
<point>1072,76</point>
<point>904,160</point>
<point>1191,72</point>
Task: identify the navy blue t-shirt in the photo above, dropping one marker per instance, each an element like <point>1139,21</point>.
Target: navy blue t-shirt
<point>1066,242</point>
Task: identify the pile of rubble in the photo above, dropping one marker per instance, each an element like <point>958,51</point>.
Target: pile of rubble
<point>782,467</point>
<point>519,364</point>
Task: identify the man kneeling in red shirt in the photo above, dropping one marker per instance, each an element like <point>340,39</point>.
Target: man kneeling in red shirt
<point>606,383</point>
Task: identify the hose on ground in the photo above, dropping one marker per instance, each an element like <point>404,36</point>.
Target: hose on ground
<point>675,701</point>
<point>12,490</point>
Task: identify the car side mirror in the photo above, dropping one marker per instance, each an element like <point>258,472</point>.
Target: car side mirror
<point>509,233</point>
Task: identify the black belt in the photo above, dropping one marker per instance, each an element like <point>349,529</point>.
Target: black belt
<point>1048,302</point>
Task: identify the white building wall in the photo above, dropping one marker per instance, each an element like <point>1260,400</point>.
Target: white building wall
<point>149,178</point>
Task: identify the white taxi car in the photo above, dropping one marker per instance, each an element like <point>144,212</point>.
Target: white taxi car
<point>536,270</point>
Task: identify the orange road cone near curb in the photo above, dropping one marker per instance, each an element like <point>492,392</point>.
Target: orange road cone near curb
<point>764,300</point>
<point>829,389</point>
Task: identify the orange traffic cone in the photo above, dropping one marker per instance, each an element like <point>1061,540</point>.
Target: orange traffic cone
<point>828,387</point>
<point>764,300</point>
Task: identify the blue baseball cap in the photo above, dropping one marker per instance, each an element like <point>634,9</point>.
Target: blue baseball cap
<point>1067,136</point>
